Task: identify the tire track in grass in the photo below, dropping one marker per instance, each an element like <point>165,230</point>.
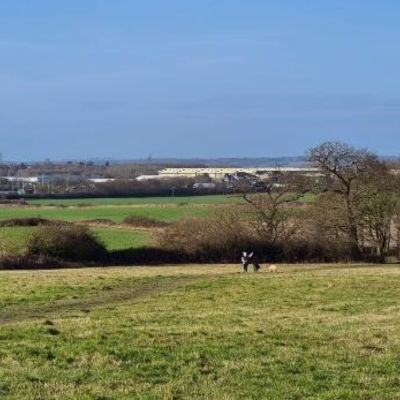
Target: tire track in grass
<point>105,297</point>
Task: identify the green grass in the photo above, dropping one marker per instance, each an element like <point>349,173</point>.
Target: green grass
<point>161,208</point>
<point>120,239</point>
<point>201,332</point>
<point>16,234</point>
<point>142,201</point>
<point>116,214</point>
<point>113,238</point>
<point>206,199</point>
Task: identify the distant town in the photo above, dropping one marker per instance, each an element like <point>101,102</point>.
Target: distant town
<point>90,179</point>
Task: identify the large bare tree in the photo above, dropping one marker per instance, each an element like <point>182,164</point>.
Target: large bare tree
<point>362,195</point>
<point>269,211</point>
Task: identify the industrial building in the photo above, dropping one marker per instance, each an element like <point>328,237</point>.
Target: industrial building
<point>222,173</point>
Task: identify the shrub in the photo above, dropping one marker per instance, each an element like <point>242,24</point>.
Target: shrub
<point>102,221</point>
<point>221,236</point>
<point>144,222</point>
<point>65,242</point>
<point>7,248</point>
<point>10,254</point>
<point>29,222</point>
<point>14,202</point>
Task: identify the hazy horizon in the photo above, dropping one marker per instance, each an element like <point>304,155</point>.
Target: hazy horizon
<point>179,79</point>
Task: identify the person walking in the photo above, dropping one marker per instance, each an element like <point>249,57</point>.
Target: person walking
<point>247,259</point>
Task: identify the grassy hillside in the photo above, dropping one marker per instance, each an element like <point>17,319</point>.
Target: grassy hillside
<point>206,332</point>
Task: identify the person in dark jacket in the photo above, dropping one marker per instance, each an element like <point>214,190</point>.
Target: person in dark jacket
<point>247,259</point>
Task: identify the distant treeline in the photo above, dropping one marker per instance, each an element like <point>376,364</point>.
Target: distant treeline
<point>163,188</point>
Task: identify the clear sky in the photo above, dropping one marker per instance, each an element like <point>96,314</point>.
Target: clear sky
<point>197,78</point>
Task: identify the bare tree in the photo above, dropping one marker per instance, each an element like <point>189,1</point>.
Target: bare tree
<point>270,215</point>
<point>361,201</point>
<point>342,166</point>
<point>377,208</point>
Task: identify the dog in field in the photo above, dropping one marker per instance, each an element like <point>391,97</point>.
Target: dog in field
<point>273,268</point>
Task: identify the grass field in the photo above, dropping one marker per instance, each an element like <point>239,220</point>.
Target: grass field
<point>116,213</point>
<point>201,332</point>
<point>113,238</point>
<point>115,209</point>
<point>206,199</point>
<point>120,239</point>
<point>162,208</point>
<point>136,201</point>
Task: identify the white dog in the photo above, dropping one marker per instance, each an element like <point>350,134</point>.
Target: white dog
<point>273,268</point>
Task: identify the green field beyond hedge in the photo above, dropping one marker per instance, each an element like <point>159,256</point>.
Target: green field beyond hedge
<point>115,209</point>
<point>162,208</point>
<point>206,199</point>
<point>113,238</point>
<point>206,332</point>
<point>116,213</point>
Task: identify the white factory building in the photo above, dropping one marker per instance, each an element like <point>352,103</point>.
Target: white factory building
<point>221,173</point>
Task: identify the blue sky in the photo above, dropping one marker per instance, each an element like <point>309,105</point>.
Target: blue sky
<point>197,78</point>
